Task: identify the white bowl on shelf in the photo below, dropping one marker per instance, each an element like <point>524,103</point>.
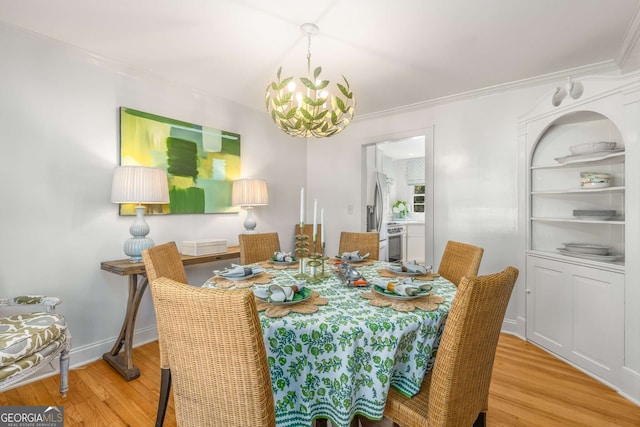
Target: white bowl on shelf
<point>591,147</point>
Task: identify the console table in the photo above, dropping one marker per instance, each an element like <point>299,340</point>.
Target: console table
<point>123,361</point>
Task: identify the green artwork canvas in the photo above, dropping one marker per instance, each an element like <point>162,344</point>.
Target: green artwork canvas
<point>201,162</point>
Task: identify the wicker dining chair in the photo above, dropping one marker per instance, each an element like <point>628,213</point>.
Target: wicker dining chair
<point>368,242</point>
<point>456,391</point>
<point>164,261</point>
<point>216,354</point>
<point>460,260</point>
<point>258,247</point>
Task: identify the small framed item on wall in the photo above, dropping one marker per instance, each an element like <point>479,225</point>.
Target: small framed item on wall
<point>201,162</point>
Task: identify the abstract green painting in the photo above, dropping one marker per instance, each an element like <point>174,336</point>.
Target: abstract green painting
<point>201,162</point>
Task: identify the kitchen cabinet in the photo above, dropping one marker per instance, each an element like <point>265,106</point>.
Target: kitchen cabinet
<point>415,243</point>
<point>582,307</point>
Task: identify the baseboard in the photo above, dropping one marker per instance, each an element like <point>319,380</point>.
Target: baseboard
<point>510,326</point>
<point>630,386</point>
<point>84,355</point>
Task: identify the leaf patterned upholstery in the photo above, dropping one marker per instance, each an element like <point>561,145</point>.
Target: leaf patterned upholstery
<point>31,340</point>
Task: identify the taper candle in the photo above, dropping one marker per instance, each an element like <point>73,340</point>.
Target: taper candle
<point>301,206</point>
<point>322,225</point>
<point>315,220</point>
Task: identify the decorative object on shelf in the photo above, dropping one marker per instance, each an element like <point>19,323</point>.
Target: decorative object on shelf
<point>139,184</point>
<point>201,162</point>
<point>571,88</point>
<point>310,110</point>
<point>400,209</point>
<point>248,193</point>
<point>592,147</point>
<point>594,180</point>
<point>597,214</point>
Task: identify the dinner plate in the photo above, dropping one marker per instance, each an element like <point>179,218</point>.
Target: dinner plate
<point>352,261</point>
<point>587,248</point>
<point>393,295</point>
<point>238,278</point>
<point>592,257</point>
<point>283,262</point>
<point>303,295</point>
<point>587,156</point>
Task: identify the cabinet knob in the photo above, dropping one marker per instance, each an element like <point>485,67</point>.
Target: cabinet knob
<point>528,291</point>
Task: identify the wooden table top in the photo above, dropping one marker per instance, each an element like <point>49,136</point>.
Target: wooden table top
<point>124,267</point>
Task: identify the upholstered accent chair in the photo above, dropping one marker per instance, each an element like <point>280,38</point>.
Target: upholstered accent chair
<point>460,260</point>
<point>365,242</point>
<point>456,391</point>
<point>32,336</point>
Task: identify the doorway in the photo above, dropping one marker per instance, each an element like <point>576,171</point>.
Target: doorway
<point>405,162</point>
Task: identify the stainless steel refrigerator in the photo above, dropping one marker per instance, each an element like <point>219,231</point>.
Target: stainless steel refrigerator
<point>377,206</point>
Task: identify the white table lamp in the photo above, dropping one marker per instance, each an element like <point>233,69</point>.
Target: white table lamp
<point>139,184</point>
<point>248,193</point>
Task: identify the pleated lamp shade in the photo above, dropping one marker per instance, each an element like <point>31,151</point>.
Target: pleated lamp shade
<point>249,192</point>
<point>139,184</point>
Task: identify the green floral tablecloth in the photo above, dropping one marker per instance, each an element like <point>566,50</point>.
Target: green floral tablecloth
<point>341,360</point>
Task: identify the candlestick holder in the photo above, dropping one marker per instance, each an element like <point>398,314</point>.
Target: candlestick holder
<point>302,251</point>
<point>323,258</point>
<point>314,264</point>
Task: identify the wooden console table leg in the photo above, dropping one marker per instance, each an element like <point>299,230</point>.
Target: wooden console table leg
<point>123,363</point>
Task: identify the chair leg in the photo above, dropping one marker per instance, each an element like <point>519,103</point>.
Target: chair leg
<point>481,421</point>
<point>64,372</point>
<point>165,388</point>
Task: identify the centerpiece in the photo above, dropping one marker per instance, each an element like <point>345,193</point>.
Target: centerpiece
<point>400,209</point>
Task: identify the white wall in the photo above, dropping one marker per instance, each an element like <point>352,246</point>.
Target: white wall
<point>476,183</point>
<point>60,143</point>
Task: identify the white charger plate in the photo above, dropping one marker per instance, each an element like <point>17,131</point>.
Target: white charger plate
<point>592,257</point>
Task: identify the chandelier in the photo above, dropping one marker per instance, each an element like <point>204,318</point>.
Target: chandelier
<point>307,108</point>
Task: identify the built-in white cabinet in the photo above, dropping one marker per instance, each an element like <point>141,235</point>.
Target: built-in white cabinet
<point>556,191</point>
<point>576,311</point>
<point>415,243</point>
<point>584,307</point>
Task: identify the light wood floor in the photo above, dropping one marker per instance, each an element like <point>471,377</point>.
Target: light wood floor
<point>529,388</point>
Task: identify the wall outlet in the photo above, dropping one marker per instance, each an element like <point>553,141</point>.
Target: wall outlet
<point>349,209</point>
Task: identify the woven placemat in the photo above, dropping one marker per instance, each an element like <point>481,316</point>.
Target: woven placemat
<point>368,262</point>
<point>305,307</point>
<point>426,303</point>
<point>388,273</point>
<point>261,279</point>
<point>269,264</point>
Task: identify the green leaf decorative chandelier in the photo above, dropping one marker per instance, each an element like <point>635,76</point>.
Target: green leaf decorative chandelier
<point>309,109</point>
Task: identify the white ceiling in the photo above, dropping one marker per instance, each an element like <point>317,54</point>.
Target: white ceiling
<point>394,53</point>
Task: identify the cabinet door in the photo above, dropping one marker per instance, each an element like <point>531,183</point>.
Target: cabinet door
<point>548,305</point>
<point>415,243</point>
<point>577,312</point>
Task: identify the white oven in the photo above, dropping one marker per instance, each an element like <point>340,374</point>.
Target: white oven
<point>395,241</point>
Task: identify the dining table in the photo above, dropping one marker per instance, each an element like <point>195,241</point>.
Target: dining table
<point>335,355</point>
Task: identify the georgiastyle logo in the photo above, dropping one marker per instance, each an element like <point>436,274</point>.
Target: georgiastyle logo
<point>31,416</point>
